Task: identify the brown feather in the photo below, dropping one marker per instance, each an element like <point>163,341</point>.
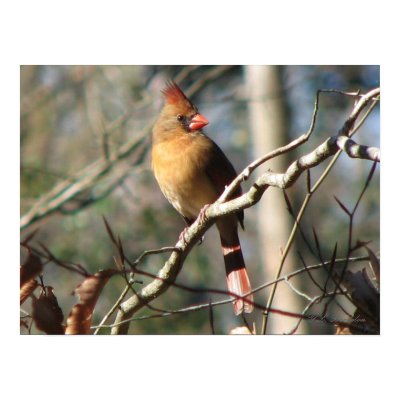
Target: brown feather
<point>174,95</point>
<point>221,173</point>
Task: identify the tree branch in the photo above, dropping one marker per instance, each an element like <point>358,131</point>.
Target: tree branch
<point>192,235</point>
<point>355,150</point>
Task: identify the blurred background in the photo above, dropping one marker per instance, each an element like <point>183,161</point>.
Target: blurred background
<point>85,140</point>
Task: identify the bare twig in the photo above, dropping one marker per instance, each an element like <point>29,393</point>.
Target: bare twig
<point>200,307</point>
<point>297,291</point>
<point>345,131</point>
<point>350,247</point>
<point>112,310</point>
<point>166,313</point>
<point>245,174</point>
<point>211,317</point>
<point>316,299</point>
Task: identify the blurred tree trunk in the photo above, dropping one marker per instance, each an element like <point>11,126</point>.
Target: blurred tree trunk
<point>269,128</point>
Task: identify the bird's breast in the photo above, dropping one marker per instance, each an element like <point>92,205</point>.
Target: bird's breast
<point>180,169</point>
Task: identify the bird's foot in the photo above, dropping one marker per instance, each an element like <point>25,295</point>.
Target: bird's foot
<point>201,217</point>
<point>202,213</point>
<point>183,234</point>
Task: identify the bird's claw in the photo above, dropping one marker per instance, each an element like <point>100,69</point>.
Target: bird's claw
<point>183,234</point>
<point>201,217</point>
<point>202,213</point>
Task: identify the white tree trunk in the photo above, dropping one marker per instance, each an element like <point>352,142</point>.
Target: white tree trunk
<point>269,130</point>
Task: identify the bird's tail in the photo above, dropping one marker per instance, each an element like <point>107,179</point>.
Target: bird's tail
<point>236,273</point>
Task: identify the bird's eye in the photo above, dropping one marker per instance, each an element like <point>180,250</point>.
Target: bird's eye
<point>179,117</point>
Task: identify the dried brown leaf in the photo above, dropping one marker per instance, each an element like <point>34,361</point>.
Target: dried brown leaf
<point>47,314</point>
<point>80,317</point>
<point>26,289</point>
<point>30,269</point>
<point>89,290</point>
<point>79,320</point>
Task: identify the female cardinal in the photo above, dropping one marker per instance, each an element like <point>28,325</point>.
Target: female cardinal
<point>192,171</point>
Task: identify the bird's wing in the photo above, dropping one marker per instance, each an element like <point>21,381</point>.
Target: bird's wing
<point>221,173</point>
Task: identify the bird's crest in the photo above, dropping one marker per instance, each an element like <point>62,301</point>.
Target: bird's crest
<point>173,94</point>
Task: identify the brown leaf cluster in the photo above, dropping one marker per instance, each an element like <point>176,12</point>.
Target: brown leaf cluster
<point>27,289</point>
<point>46,313</point>
<point>80,317</point>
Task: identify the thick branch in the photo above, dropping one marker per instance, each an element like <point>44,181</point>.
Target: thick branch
<point>344,131</point>
<point>355,150</point>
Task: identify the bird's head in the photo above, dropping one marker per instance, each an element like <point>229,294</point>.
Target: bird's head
<point>179,114</point>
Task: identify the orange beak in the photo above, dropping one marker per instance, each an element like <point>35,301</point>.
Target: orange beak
<point>198,122</point>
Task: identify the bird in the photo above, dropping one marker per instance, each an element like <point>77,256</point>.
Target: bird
<point>192,172</point>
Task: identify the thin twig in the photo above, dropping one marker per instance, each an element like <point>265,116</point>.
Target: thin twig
<point>112,309</point>
<point>346,130</point>
<point>166,313</point>
<point>297,291</point>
